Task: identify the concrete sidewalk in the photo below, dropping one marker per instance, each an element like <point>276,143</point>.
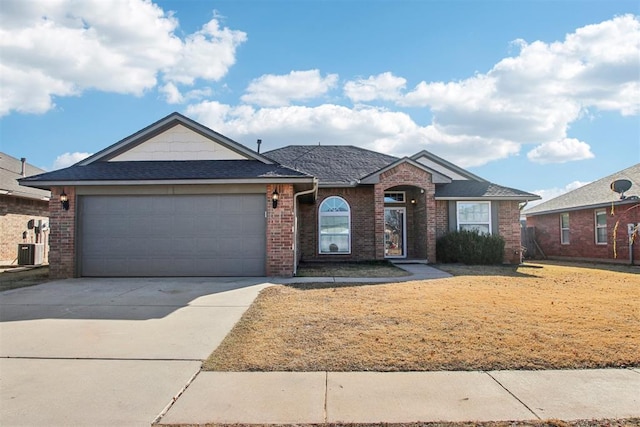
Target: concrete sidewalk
<point>418,271</point>
<point>401,397</point>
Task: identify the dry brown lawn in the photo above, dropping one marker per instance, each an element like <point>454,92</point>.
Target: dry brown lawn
<point>482,319</point>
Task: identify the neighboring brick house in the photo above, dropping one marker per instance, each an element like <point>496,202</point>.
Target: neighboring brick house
<point>178,199</point>
<point>19,205</point>
<point>591,222</point>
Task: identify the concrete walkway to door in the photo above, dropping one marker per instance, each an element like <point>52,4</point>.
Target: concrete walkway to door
<point>91,352</point>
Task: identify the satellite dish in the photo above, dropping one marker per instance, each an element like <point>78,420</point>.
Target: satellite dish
<point>620,186</point>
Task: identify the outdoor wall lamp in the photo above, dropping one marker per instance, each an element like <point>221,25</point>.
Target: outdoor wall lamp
<point>274,198</point>
<point>64,201</point>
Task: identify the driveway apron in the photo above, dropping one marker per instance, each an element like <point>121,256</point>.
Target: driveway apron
<point>110,351</point>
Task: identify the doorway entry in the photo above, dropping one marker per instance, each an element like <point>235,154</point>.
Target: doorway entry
<point>395,239</point>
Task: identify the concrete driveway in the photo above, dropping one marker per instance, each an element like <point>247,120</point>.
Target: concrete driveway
<point>110,351</point>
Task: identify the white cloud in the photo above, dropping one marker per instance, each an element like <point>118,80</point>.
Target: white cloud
<point>551,193</point>
<point>171,93</point>
<point>272,90</point>
<point>369,127</point>
<point>384,86</point>
<point>532,97</point>
<point>207,54</point>
<point>64,47</point>
<point>68,159</point>
<point>566,150</point>
<point>537,94</point>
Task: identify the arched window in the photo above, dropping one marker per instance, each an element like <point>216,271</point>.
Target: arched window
<point>335,226</point>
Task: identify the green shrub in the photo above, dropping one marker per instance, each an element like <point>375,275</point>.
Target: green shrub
<point>470,247</point>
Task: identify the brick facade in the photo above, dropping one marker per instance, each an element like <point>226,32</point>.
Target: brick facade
<point>425,220</point>
<point>280,226</point>
<point>15,212</point>
<point>367,217</point>
<point>582,237</point>
<point>62,238</point>
<point>509,229</point>
<point>360,200</point>
<point>424,228</point>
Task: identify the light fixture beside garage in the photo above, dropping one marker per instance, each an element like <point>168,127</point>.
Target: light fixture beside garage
<point>274,198</point>
<point>64,201</point>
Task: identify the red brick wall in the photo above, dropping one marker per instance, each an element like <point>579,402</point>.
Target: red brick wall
<point>62,256</point>
<point>442,217</point>
<point>402,175</point>
<point>509,229</point>
<point>15,212</point>
<point>280,231</point>
<point>360,200</point>
<point>582,244</point>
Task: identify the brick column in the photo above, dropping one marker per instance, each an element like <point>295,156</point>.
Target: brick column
<point>62,236</point>
<point>280,237</point>
<point>378,194</point>
<point>406,174</point>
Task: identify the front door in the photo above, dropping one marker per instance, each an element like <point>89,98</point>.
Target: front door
<point>395,242</point>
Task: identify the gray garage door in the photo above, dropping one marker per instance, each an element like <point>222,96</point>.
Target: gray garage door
<point>194,235</point>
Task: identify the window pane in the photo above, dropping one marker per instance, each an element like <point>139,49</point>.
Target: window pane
<point>334,204</point>
<point>565,236</point>
<point>334,243</point>
<point>601,218</point>
<point>601,235</point>
<point>473,212</point>
<point>564,218</point>
<point>334,224</point>
<point>394,197</point>
<point>481,228</point>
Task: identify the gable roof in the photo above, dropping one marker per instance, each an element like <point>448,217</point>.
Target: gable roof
<point>333,165</point>
<point>473,190</point>
<point>374,178</point>
<point>442,165</point>
<point>595,194</point>
<point>163,171</point>
<point>163,125</point>
<point>11,172</point>
<point>347,166</point>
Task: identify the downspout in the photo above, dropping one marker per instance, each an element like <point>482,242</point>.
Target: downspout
<point>295,221</point>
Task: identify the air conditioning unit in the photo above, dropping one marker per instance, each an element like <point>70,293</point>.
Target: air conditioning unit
<point>30,253</point>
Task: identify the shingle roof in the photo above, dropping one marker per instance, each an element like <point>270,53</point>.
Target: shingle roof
<point>11,171</point>
<point>597,193</point>
<point>166,170</point>
<point>480,189</point>
<point>331,164</point>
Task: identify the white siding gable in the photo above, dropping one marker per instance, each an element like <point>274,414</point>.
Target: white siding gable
<point>178,143</point>
<point>440,168</point>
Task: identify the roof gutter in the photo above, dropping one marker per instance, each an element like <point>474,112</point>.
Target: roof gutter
<point>314,190</point>
<point>496,198</point>
<point>275,180</point>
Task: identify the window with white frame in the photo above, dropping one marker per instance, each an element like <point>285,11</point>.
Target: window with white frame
<point>564,228</point>
<point>394,196</point>
<point>474,216</point>
<point>601,227</point>
<point>334,226</point>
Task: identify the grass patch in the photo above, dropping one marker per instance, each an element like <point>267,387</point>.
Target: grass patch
<point>20,279</point>
<point>370,269</point>
<point>484,318</point>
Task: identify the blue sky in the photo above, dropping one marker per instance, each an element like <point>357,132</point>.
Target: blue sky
<point>542,96</point>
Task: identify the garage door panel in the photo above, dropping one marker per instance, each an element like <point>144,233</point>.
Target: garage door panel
<point>200,235</point>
